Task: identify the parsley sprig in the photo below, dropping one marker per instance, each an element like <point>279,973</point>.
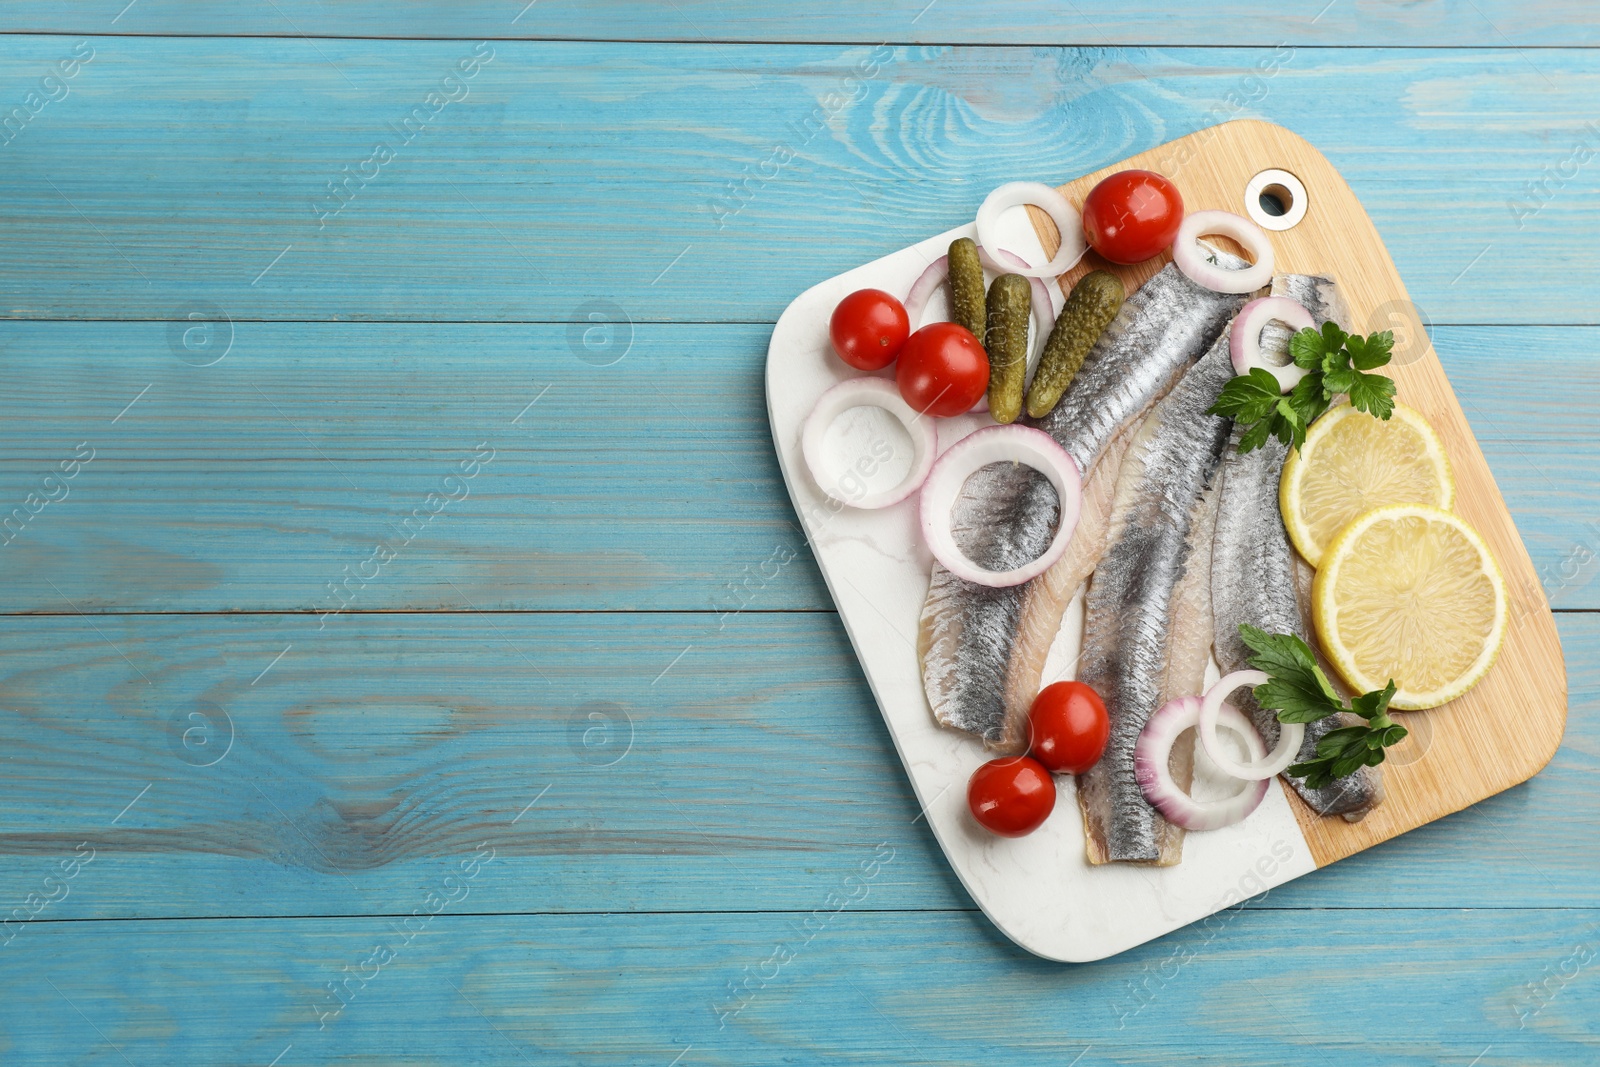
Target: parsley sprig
<point>1299,692</point>
<point>1336,362</point>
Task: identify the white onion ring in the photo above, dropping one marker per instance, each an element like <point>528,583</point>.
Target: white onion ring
<point>877,393</point>
<point>998,444</point>
<point>1154,747</point>
<point>1068,220</point>
<point>1244,340</point>
<point>1191,259</point>
<point>1260,769</point>
<point>923,288</point>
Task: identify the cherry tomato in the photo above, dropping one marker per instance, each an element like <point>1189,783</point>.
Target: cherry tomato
<point>1011,796</point>
<point>1068,727</point>
<point>943,370</point>
<point>1132,215</point>
<point>868,329</point>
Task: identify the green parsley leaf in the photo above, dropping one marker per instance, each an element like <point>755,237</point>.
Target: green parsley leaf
<point>1336,364</point>
<point>1248,397</point>
<point>1337,379</point>
<point>1372,393</point>
<point>1372,352</point>
<point>1308,399</point>
<point>1374,704</point>
<point>1298,691</point>
<point>1255,436</point>
<point>1306,349</point>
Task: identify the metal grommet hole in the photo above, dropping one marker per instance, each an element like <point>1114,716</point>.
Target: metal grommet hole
<point>1275,199</point>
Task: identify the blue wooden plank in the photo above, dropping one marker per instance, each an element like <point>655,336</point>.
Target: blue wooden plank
<point>269,479</point>
<point>1400,988</point>
<point>660,177</point>
<point>251,765</point>
<point>650,483</point>
<point>1092,22</point>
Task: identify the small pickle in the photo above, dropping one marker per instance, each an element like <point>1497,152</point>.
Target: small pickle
<point>1005,338</point>
<point>1094,302</point>
<point>966,286</point>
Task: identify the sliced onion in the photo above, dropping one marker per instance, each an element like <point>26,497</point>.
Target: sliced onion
<point>1068,220</point>
<point>1244,340</point>
<point>1260,769</point>
<point>1191,258</point>
<point>877,393</point>
<point>998,444</point>
<point>1154,747</point>
<point>924,287</point>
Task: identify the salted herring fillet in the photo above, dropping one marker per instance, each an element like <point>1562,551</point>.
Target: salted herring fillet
<point>1254,573</point>
<point>1045,602</point>
<point>1189,646</point>
<point>978,677</point>
<point>1128,613</point>
<point>1189,651</point>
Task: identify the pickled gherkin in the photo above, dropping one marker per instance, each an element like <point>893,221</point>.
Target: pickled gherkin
<point>966,286</point>
<point>1005,338</point>
<point>1093,303</point>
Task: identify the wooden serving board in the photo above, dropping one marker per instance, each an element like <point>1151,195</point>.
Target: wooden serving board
<point>1039,889</point>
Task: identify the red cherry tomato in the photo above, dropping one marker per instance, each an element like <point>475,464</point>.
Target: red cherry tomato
<point>868,329</point>
<point>943,370</point>
<point>1132,215</point>
<point>1068,726</point>
<point>1012,796</point>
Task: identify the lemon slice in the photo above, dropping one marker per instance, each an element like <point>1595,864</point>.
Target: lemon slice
<point>1410,592</point>
<point>1351,463</point>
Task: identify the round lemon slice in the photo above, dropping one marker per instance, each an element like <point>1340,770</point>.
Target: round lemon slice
<point>1351,463</point>
<point>1410,592</point>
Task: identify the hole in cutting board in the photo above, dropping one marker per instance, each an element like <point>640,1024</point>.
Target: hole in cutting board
<point>1275,199</point>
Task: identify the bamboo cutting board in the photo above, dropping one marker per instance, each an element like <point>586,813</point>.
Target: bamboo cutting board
<point>1508,727</point>
<point>1040,890</point>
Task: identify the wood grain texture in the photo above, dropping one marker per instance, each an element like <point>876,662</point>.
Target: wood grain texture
<point>523,200</point>
<point>178,170</point>
<point>263,480</point>
<point>251,484</point>
<point>1092,22</point>
<point>1252,990</point>
<point>1479,749</point>
<point>377,749</point>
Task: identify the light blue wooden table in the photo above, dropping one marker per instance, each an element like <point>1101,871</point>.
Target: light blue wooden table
<point>389,673</point>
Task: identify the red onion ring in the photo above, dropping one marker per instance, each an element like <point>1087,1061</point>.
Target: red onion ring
<point>878,393</point>
<point>1191,258</point>
<point>1068,220</point>
<point>1244,340</point>
<point>998,444</point>
<point>1154,747</point>
<point>1259,769</point>
<point>923,288</point>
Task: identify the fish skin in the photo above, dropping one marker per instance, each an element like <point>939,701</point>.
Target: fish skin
<point>1046,600</point>
<point>1128,613</point>
<point>1005,516</point>
<point>1255,576</point>
<point>1193,624</point>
